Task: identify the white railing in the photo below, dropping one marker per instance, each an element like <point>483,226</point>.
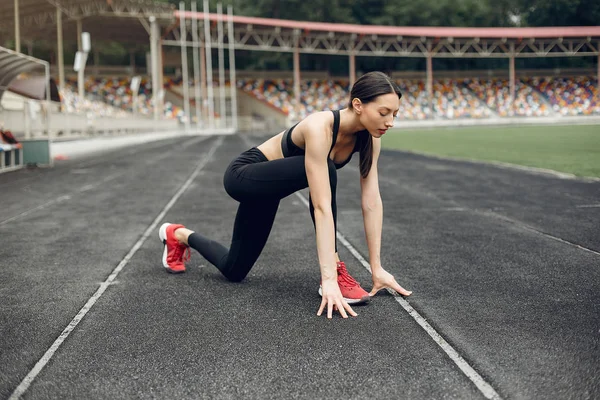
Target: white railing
<point>11,157</point>
<point>31,119</point>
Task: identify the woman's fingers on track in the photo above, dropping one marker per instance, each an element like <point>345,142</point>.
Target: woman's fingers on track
<point>374,291</point>
<point>323,304</point>
<point>401,290</point>
<point>340,306</point>
<point>332,305</point>
<point>350,310</point>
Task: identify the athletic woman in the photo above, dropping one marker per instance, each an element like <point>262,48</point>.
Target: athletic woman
<point>306,155</point>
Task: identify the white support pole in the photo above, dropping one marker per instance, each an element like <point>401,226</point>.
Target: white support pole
<point>160,77</point>
<point>60,58</point>
<point>232,79</point>
<point>184,66</point>
<point>203,82</point>
<point>197,94</point>
<point>511,78</point>
<point>48,112</point>
<point>209,73</point>
<point>79,32</point>
<point>297,81</point>
<point>80,77</point>
<point>17,28</point>
<point>80,73</point>
<point>154,64</point>
<point>430,82</point>
<point>511,72</point>
<point>222,107</point>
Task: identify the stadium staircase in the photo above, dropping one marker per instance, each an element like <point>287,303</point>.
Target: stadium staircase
<point>545,100</point>
<point>493,113</point>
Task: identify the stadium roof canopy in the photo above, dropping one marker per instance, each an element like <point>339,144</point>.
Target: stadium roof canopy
<point>105,20</point>
<point>269,34</point>
<point>12,64</point>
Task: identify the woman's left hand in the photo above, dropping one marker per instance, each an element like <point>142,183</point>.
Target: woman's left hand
<point>383,279</point>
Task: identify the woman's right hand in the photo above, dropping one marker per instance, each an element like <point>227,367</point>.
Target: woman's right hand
<point>332,297</point>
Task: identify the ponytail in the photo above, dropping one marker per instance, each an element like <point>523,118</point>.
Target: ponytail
<point>366,153</point>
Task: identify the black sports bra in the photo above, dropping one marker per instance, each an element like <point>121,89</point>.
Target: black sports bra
<point>290,149</point>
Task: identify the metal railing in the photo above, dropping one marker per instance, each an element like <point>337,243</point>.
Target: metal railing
<point>34,119</point>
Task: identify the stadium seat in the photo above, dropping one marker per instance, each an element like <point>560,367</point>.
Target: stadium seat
<point>452,98</point>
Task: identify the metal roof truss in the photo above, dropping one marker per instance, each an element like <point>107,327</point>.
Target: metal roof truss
<point>278,40</point>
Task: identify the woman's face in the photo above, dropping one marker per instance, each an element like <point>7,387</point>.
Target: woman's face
<point>378,115</point>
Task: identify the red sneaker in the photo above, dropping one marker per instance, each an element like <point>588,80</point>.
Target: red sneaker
<point>175,254</point>
<point>350,288</point>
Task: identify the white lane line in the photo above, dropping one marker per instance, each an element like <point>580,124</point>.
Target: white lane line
<point>87,187</point>
<point>485,213</point>
<point>40,207</point>
<point>533,230</point>
<point>589,206</point>
<point>26,382</point>
<point>485,388</point>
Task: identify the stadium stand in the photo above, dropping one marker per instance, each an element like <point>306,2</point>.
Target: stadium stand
<point>570,96</point>
<point>414,104</point>
<point>452,99</point>
<point>275,92</point>
<point>472,98</point>
<point>495,93</point>
<point>112,96</point>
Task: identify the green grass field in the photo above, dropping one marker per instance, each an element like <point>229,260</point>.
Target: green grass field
<point>572,149</point>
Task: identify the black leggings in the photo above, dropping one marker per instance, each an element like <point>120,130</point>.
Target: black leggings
<point>259,185</point>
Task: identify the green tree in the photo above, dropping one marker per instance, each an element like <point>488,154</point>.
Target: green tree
<point>563,13</point>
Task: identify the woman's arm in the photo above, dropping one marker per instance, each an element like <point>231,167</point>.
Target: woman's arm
<point>372,209</point>
<point>317,144</point>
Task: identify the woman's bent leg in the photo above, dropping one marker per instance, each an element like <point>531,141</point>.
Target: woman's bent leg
<point>258,185</point>
<point>274,179</point>
<point>253,224</point>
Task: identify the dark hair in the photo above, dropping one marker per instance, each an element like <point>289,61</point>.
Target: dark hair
<point>366,89</point>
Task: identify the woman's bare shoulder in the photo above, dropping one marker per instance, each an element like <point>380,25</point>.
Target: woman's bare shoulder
<point>317,121</point>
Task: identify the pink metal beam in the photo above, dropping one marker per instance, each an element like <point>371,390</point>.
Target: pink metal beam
<point>439,32</point>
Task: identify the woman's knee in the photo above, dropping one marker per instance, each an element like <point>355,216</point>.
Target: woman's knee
<point>236,275</point>
<point>235,271</point>
<point>230,183</point>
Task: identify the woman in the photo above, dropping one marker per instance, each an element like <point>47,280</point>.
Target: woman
<point>306,155</point>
